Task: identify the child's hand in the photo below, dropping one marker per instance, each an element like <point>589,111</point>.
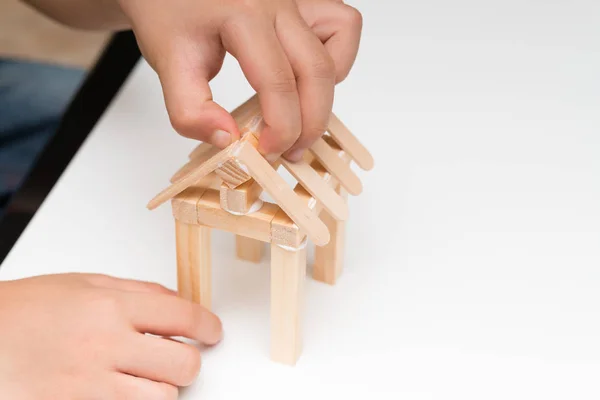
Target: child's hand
<point>291,51</point>
<point>83,337</point>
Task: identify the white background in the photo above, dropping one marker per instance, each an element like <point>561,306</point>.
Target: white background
<point>473,259</point>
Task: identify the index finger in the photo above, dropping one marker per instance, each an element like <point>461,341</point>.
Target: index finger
<point>253,42</point>
<point>161,314</point>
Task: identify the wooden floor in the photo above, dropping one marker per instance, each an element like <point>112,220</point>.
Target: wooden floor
<point>24,33</point>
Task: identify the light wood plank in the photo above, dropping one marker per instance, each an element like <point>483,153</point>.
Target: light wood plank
<point>288,273</point>
<point>192,177</point>
<point>283,230</point>
<point>256,225</point>
<point>318,188</point>
<point>194,163</point>
<point>329,259</point>
<point>285,197</point>
<point>330,159</point>
<point>249,249</point>
<point>200,149</point>
<point>350,143</point>
<point>194,263</point>
<point>184,205</point>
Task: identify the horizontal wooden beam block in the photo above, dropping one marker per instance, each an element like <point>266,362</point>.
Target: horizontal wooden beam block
<point>256,225</point>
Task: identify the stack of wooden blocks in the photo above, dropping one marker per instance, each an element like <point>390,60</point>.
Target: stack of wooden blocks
<point>221,189</point>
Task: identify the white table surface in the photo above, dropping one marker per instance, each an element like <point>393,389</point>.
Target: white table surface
<point>473,260</point>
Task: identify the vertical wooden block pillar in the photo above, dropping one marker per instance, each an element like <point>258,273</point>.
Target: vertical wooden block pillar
<point>194,263</point>
<point>249,249</point>
<point>329,259</point>
<point>288,273</point>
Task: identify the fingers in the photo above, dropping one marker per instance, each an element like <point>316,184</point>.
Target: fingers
<point>252,41</point>
<point>131,387</point>
<point>164,315</point>
<point>339,27</point>
<point>184,77</point>
<point>315,77</point>
<point>160,360</point>
<point>110,282</point>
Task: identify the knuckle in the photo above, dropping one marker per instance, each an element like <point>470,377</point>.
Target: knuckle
<point>282,81</point>
<point>323,67</point>
<point>353,17</point>
<point>185,122</point>
<point>105,305</point>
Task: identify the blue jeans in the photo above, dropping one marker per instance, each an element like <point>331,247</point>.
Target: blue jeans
<point>33,98</point>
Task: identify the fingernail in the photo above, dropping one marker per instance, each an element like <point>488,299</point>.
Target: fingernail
<point>295,155</point>
<point>220,138</point>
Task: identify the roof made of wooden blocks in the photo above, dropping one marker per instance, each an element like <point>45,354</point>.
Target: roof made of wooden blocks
<point>240,173</point>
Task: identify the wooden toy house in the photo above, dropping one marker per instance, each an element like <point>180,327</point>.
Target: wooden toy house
<point>221,189</point>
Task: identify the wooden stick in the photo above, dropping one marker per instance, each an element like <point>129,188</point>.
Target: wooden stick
<point>318,188</point>
<point>334,164</point>
<point>288,272</point>
<point>350,143</point>
<point>200,149</point>
<point>194,163</point>
<point>285,197</point>
<point>329,259</point>
<point>192,176</point>
<point>248,249</point>
<point>283,230</point>
<point>194,263</point>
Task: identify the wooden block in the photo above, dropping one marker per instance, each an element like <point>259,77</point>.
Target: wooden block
<point>330,159</point>
<point>233,172</point>
<point>318,188</point>
<point>240,199</point>
<point>194,263</point>
<point>285,232</point>
<point>288,272</point>
<point>329,259</point>
<point>350,143</point>
<point>248,249</point>
<point>184,205</point>
<point>256,225</point>
<point>285,197</point>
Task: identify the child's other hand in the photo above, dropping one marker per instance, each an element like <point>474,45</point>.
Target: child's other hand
<point>83,337</point>
<point>292,52</point>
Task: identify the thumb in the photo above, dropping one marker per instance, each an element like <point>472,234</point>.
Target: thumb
<point>188,98</point>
